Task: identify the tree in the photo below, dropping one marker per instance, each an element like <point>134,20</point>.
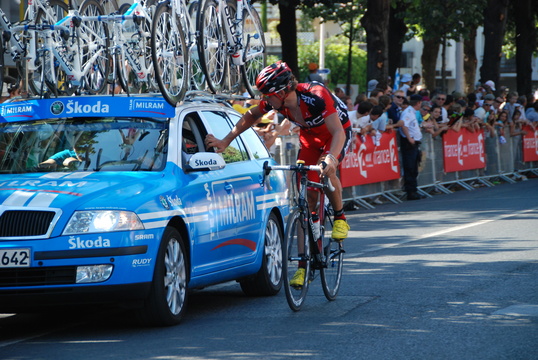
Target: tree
<point>437,22</point>
<point>396,36</point>
<point>525,16</point>
<point>347,15</point>
<point>375,21</point>
<point>494,28</point>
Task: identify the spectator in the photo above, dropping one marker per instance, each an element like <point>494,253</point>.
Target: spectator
<point>532,113</point>
<point>411,136</point>
<point>498,104</point>
<point>483,111</point>
<point>489,86</point>
<point>510,105</point>
<point>396,109</point>
<point>360,98</point>
<point>425,93</point>
<point>372,84</point>
<point>376,93</point>
<point>467,121</point>
<point>522,105</point>
<point>424,112</point>
<point>268,128</point>
<point>439,99</point>
<point>431,125</point>
<point>363,112</point>
<point>349,103</point>
<point>501,122</point>
<point>339,92</point>
<point>516,125</point>
<point>385,102</point>
<point>13,89</point>
<point>413,86</point>
<point>405,83</point>
<point>378,124</point>
<point>313,73</point>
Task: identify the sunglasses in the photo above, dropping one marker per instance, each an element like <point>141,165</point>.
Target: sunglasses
<point>399,96</point>
<point>488,104</point>
<point>442,99</point>
<point>425,109</point>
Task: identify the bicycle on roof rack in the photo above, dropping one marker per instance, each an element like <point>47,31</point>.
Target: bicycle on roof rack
<point>231,45</point>
<point>308,241</point>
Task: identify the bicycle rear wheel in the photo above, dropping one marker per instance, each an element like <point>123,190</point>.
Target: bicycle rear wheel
<point>197,73</point>
<point>170,54</point>
<point>333,254</point>
<point>212,45</point>
<point>94,45</point>
<point>254,54</point>
<point>296,233</point>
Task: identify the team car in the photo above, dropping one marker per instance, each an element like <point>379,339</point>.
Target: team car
<point>113,199</point>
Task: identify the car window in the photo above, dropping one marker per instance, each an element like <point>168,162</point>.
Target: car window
<point>83,144</point>
<point>221,126</point>
<point>253,141</point>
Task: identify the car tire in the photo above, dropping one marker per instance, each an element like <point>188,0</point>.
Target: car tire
<point>268,280</point>
<point>168,297</point>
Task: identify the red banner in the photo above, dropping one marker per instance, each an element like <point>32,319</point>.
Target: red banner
<point>464,150</point>
<point>530,144</point>
<point>366,163</point>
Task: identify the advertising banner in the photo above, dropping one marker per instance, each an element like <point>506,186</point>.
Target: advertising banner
<point>366,163</point>
<point>530,144</point>
<point>464,150</point>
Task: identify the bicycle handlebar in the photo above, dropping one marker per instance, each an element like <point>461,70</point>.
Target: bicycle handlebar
<point>298,168</point>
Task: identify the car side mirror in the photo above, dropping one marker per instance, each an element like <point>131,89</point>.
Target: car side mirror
<point>204,161</point>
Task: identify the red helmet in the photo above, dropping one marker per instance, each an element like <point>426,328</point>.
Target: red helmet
<point>274,78</point>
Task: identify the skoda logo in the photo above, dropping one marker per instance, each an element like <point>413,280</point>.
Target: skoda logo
<point>57,108</point>
<point>164,202</point>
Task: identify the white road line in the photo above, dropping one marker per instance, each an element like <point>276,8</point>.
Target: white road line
<point>438,233</point>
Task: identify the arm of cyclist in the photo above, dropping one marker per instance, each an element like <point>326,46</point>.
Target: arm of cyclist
<point>246,121</point>
<point>338,139</point>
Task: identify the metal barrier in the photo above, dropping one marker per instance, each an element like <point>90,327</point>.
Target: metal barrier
<point>504,164</point>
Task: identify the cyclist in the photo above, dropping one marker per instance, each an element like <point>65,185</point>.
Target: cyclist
<point>325,132</point>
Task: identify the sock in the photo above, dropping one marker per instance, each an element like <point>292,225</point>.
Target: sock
<point>339,215</point>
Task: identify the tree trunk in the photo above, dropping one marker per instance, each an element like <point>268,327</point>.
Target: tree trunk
<point>494,29</point>
<point>397,31</point>
<point>470,61</point>
<point>376,22</point>
<point>287,28</point>
<point>429,62</point>
<point>524,11</point>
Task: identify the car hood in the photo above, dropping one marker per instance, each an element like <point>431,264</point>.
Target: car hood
<point>77,191</point>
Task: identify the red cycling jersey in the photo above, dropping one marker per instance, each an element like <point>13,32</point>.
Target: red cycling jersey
<point>316,103</point>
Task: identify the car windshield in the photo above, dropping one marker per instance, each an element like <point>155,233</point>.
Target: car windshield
<point>83,144</point>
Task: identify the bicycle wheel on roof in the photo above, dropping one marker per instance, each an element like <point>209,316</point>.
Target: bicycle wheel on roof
<point>170,54</point>
<point>254,54</point>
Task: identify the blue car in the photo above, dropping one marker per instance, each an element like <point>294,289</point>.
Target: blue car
<point>112,199</point>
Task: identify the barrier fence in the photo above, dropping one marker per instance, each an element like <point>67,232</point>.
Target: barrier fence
<point>466,160</point>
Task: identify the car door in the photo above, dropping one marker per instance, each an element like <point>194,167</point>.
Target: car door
<point>224,198</point>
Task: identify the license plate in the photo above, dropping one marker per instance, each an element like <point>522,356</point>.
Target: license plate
<point>11,258</point>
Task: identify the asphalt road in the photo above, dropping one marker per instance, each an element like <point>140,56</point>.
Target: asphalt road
<point>450,277</point>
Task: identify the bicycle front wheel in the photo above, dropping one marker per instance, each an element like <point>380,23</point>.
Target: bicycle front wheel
<point>254,54</point>
<point>211,45</point>
<point>333,258</point>
<point>296,257</point>
<point>170,54</point>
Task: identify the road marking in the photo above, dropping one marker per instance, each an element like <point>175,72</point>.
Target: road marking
<point>518,310</point>
<point>437,233</point>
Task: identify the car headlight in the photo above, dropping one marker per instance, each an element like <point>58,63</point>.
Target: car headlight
<point>98,221</point>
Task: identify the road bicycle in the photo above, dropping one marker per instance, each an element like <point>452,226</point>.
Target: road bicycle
<point>130,48</point>
<point>170,53</point>
<point>73,60</point>
<point>231,45</point>
<point>20,40</point>
<point>308,240</point>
